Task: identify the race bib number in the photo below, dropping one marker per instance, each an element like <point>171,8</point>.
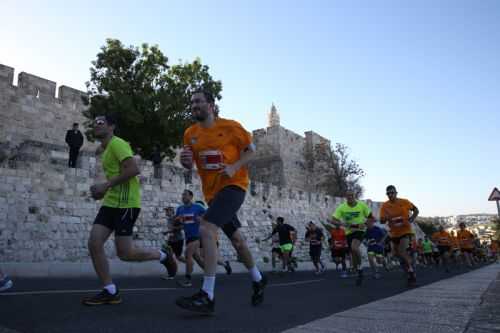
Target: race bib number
<point>211,159</point>
<point>397,221</point>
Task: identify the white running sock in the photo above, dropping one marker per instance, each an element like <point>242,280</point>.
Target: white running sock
<point>255,274</point>
<point>209,286</point>
<point>111,288</point>
<point>163,256</point>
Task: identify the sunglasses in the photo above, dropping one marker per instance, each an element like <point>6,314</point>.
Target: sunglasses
<point>99,122</point>
<point>392,192</point>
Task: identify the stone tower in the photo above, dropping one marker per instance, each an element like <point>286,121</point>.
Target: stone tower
<point>273,117</point>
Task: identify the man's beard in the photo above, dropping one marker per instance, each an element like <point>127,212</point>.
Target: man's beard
<point>201,115</point>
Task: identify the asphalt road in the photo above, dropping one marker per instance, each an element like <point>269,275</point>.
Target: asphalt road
<point>53,305</point>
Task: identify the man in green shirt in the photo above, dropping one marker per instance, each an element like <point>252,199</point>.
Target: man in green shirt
<point>120,208</point>
<point>353,214</point>
<point>427,248</point>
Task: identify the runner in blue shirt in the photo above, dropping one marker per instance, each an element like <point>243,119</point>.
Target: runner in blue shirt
<point>189,215</point>
<point>375,239</point>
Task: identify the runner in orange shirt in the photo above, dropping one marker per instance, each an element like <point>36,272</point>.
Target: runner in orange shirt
<point>444,242</point>
<point>466,242</point>
<point>339,248</point>
<point>221,150</point>
<point>396,212</point>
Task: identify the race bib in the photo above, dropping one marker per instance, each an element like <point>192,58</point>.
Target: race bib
<point>397,221</point>
<point>338,244</point>
<point>211,159</point>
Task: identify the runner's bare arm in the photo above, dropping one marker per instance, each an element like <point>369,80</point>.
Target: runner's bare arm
<point>246,155</point>
<point>335,220</point>
<point>414,214</point>
<point>128,169</point>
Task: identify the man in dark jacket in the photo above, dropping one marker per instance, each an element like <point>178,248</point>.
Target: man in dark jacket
<point>74,139</point>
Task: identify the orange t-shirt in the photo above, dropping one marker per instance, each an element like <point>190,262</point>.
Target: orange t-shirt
<point>221,143</point>
<point>465,239</point>
<point>442,238</point>
<point>397,213</point>
<point>339,240</point>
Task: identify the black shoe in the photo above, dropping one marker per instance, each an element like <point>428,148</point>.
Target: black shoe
<point>169,262</point>
<point>185,284</point>
<point>227,267</point>
<point>412,279</point>
<point>199,302</point>
<point>359,278</point>
<point>104,297</point>
<point>258,291</point>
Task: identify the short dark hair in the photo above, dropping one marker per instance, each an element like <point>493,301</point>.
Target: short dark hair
<point>75,124</point>
<point>111,119</point>
<point>209,97</point>
<point>189,192</point>
<point>280,219</point>
<point>390,187</point>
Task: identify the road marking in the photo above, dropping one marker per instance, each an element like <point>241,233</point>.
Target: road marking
<point>85,291</point>
<point>77,291</point>
<point>294,283</point>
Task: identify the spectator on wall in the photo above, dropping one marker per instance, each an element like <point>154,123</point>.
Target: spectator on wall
<point>74,139</point>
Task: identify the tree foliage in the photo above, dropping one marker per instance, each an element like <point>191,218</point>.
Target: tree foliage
<point>341,173</point>
<point>149,98</point>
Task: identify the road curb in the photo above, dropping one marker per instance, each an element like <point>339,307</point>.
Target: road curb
<point>443,306</point>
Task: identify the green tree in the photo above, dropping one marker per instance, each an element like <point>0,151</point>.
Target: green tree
<point>149,98</point>
<point>340,172</point>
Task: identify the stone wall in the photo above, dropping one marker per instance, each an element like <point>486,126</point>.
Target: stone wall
<point>46,212</point>
<point>31,111</point>
<point>45,208</point>
<point>286,159</point>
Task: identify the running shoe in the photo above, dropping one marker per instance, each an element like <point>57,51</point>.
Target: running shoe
<point>258,291</point>
<point>185,284</point>
<point>6,283</point>
<point>167,277</point>
<point>344,275</point>
<point>199,302</point>
<point>227,267</point>
<point>102,298</point>
<point>359,278</point>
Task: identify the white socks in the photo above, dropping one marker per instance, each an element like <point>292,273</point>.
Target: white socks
<point>111,288</point>
<point>255,273</point>
<point>208,286</point>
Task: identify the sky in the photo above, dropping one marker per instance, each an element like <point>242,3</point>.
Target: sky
<point>412,87</point>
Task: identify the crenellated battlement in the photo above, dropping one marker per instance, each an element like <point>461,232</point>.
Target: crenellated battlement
<point>32,111</point>
<point>32,85</point>
<point>6,75</point>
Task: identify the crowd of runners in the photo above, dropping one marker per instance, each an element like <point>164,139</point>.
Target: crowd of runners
<point>221,149</point>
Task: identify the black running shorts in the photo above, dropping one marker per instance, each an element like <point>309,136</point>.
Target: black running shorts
<point>222,210</point>
<point>339,253</point>
<point>359,235</point>
<point>397,240</point>
<point>315,252</point>
<point>119,220</point>
<point>443,249</point>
